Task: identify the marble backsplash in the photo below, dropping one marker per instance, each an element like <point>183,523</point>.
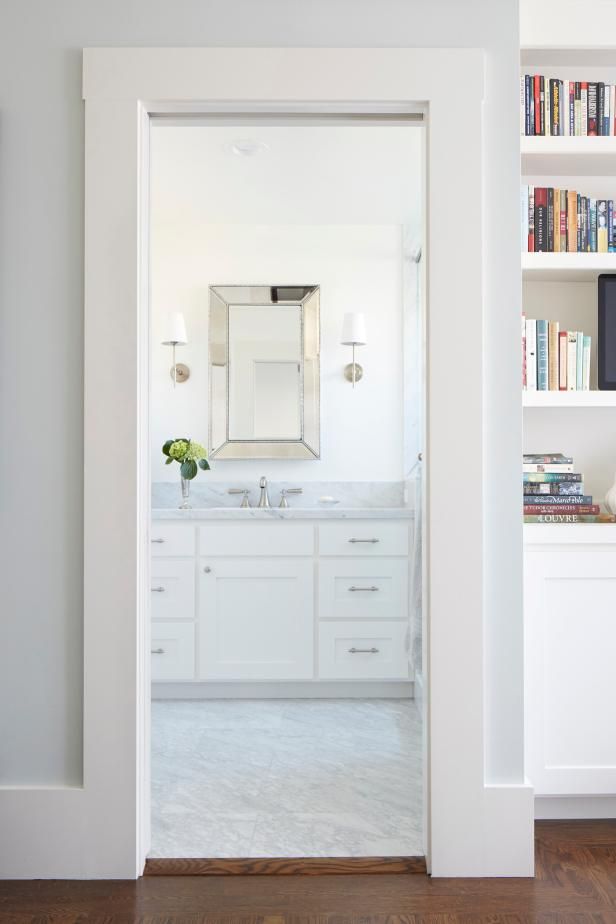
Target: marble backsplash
<point>349,494</point>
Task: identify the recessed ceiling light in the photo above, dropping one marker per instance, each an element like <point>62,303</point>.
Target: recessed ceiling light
<point>246,147</point>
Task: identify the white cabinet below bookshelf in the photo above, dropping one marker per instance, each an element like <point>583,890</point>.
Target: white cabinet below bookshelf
<point>569,398</point>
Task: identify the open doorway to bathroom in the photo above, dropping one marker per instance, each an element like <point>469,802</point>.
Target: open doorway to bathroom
<point>287,354</point>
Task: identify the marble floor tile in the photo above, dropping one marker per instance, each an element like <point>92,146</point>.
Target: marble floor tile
<point>286,778</point>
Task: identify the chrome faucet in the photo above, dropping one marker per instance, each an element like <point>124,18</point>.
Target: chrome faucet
<point>264,498</point>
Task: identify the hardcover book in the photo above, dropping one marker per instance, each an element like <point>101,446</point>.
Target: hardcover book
<point>554,487</point>
<point>570,518</point>
<point>547,458</point>
<point>535,510</point>
<point>550,477</point>
<point>542,355</point>
<point>535,468</point>
<point>556,500</point>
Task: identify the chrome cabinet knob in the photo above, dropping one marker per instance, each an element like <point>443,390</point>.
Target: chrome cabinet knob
<point>207,569</point>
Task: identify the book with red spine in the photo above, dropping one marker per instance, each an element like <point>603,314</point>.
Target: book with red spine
<point>542,509</point>
<point>531,219</point>
<point>541,219</point>
<point>537,102</point>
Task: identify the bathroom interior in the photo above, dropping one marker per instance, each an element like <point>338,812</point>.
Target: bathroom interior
<point>287,413</point>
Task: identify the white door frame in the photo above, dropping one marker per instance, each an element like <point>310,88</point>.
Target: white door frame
<point>474,828</point>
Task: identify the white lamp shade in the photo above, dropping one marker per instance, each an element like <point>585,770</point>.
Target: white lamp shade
<point>353,329</point>
<point>175,330</point>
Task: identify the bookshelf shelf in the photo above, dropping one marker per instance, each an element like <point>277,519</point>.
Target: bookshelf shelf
<point>569,533</point>
<point>569,399</point>
<point>568,156</point>
<point>568,267</point>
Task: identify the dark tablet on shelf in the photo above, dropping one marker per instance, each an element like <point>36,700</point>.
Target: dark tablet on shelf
<point>606,339</point>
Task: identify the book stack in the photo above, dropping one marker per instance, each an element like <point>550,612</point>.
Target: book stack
<point>549,106</point>
<point>558,220</point>
<point>554,493</point>
<point>554,359</point>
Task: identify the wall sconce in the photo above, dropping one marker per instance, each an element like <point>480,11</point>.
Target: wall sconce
<point>353,334</point>
<point>176,336</point>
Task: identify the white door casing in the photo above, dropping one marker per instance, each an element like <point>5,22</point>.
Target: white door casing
<point>474,829</point>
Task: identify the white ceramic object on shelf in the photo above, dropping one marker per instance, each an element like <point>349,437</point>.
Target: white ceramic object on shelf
<point>610,498</point>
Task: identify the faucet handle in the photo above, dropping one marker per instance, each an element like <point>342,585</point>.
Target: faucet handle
<point>244,491</point>
<point>285,491</point>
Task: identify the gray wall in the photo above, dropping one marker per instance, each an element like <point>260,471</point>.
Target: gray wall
<point>41,365</point>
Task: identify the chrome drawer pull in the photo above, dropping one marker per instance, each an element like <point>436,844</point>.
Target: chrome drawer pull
<point>159,541</point>
<point>364,540</point>
<point>157,651</point>
<point>363,650</point>
<point>158,590</point>
<point>355,589</point>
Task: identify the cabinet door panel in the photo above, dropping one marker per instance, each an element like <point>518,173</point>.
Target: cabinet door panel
<point>570,640</point>
<point>173,588</point>
<point>256,619</point>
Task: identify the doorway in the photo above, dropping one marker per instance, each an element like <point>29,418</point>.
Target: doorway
<point>287,715</point>
<point>474,827</point>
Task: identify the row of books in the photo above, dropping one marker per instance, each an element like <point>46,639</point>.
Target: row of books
<point>554,359</point>
<point>550,106</point>
<point>563,221</point>
<point>554,493</point>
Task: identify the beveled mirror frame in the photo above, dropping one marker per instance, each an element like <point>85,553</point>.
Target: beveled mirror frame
<point>307,299</point>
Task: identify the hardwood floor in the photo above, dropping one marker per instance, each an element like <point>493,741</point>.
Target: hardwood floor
<point>575,884</point>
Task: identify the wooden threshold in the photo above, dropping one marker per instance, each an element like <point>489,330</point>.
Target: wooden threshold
<point>283,866</point>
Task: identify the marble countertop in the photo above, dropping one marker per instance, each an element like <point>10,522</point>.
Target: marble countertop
<point>288,513</point>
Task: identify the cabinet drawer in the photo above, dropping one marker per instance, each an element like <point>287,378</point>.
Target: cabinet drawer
<point>363,650</point>
<point>364,537</point>
<point>173,651</point>
<point>173,588</point>
<point>250,538</point>
<point>364,588</point>
<point>171,539</point>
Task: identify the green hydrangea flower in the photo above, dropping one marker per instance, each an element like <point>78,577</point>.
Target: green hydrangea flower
<point>195,452</point>
<point>178,450</point>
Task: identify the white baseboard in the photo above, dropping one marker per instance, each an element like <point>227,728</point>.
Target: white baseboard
<point>324,689</point>
<point>571,807</point>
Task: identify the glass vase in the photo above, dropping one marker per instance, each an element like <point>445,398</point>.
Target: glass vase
<point>185,493</point>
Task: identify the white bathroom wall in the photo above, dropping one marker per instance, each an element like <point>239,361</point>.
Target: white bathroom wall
<point>358,267</point>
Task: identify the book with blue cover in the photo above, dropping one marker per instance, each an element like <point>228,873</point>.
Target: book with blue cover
<point>542,355</point>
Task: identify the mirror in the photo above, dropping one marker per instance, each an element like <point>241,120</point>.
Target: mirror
<point>264,372</point>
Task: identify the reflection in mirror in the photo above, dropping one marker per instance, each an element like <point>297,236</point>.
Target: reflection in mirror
<point>265,385</point>
<point>264,372</point>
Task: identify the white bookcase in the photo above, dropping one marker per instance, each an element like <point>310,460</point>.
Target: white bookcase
<point>570,570</point>
<point>563,286</point>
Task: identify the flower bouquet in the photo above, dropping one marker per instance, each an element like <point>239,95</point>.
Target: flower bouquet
<point>191,457</point>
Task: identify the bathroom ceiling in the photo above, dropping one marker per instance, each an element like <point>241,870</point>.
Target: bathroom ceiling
<point>308,174</point>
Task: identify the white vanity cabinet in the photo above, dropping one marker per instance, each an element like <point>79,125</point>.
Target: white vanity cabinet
<point>267,599</point>
<point>256,618</point>
<point>570,657</point>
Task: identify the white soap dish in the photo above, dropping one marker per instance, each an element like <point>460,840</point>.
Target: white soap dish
<point>328,501</point>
